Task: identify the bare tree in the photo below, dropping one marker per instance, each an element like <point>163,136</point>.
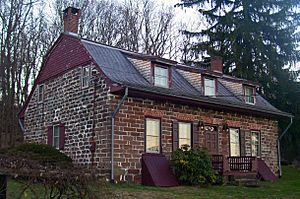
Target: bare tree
<point>27,32</point>
<point>19,36</point>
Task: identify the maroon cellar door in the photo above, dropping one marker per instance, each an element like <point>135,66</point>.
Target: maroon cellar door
<point>156,171</point>
<point>264,171</point>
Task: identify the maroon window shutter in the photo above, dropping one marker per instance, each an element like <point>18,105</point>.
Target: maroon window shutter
<point>175,135</point>
<point>243,143</point>
<point>61,136</point>
<point>195,134</point>
<point>50,135</point>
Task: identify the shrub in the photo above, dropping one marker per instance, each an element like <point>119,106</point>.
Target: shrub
<point>40,152</point>
<point>193,166</point>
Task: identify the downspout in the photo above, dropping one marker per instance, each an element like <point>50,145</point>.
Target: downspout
<point>92,141</point>
<point>278,145</point>
<point>21,126</point>
<point>113,132</point>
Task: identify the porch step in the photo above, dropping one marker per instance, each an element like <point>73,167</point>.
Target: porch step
<point>248,182</point>
<point>249,176</point>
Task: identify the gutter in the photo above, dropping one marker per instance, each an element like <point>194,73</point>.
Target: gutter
<point>21,126</point>
<point>217,105</point>
<point>278,145</point>
<point>113,132</point>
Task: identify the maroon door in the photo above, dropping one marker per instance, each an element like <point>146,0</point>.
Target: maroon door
<point>211,139</point>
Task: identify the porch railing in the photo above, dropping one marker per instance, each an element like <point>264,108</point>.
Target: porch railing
<point>242,165</point>
<point>217,163</point>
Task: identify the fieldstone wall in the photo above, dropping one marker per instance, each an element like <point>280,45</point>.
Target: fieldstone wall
<point>130,130</point>
<point>85,112</point>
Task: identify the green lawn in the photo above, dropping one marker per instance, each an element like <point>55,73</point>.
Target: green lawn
<point>286,187</point>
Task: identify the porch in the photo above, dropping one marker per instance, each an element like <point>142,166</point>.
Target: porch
<point>242,166</point>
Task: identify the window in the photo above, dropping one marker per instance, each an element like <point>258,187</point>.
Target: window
<point>184,134</point>
<point>152,135</point>
<point>41,93</point>
<point>55,142</point>
<point>255,143</point>
<point>56,136</point>
<point>209,87</point>
<point>161,77</point>
<point>249,94</point>
<point>234,136</point>
<point>85,76</point>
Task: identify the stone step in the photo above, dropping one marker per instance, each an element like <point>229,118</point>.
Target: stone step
<point>248,182</point>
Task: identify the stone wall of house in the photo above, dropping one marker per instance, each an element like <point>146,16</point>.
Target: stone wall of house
<point>130,130</point>
<point>66,102</point>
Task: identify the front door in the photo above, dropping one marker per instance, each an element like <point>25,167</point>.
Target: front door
<point>211,139</point>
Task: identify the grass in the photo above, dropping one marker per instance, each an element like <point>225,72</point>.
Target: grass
<point>286,187</point>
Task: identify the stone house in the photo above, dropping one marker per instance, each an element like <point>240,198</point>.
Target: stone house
<point>89,97</point>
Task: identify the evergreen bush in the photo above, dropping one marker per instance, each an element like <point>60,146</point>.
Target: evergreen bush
<point>39,152</point>
<point>193,166</point>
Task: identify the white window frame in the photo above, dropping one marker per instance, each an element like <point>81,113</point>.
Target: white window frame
<point>153,136</point>
<point>157,76</point>
<point>251,96</point>
<point>258,143</point>
<point>231,144</point>
<point>41,93</point>
<point>206,86</point>
<point>86,77</point>
<point>180,138</point>
<point>54,144</point>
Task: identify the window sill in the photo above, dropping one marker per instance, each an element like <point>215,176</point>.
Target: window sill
<point>160,86</point>
<point>152,152</point>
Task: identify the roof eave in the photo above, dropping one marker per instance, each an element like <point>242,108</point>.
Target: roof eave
<point>136,92</point>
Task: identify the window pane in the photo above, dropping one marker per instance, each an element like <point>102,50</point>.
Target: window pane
<point>41,93</point>
<point>184,130</point>
<point>85,71</point>
<point>162,72</point>
<point>56,136</point>
<point>234,142</point>
<point>85,76</point>
<point>255,144</point>
<point>209,87</point>
<point>152,126</point>
<point>152,144</point>
<point>184,134</point>
<point>161,81</point>
<point>152,135</point>
<point>161,76</point>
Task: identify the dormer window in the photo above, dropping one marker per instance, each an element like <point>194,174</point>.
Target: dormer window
<point>209,86</point>
<point>161,76</point>
<point>249,93</point>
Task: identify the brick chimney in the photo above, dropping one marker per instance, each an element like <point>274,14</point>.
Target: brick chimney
<point>71,19</point>
<point>216,64</point>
